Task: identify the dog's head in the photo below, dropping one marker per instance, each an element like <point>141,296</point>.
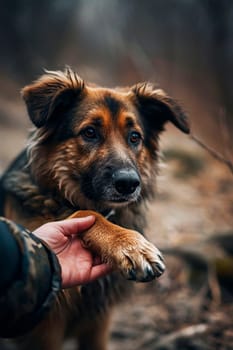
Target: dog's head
<point>97,146</point>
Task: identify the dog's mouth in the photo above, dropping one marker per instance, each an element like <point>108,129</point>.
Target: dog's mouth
<point>110,200</point>
<point>120,200</point>
<point>115,189</point>
<point>108,197</point>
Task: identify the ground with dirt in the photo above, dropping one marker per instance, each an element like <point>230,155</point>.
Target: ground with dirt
<point>190,306</point>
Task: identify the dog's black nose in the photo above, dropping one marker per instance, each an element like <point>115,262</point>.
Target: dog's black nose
<point>126,181</point>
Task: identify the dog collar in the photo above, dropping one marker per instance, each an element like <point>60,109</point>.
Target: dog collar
<point>109,214</point>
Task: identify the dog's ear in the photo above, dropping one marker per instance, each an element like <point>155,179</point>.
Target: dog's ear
<point>51,95</point>
<point>157,108</point>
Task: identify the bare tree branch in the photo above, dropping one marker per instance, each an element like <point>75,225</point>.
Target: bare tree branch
<point>214,153</point>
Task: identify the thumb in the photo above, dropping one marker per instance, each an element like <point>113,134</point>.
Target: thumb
<point>99,271</point>
<point>74,226</point>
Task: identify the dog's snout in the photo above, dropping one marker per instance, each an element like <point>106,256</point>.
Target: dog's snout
<point>126,181</point>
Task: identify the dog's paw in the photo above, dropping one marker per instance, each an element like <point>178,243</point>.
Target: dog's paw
<point>125,250</point>
<point>138,259</point>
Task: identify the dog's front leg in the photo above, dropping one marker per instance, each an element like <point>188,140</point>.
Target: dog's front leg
<point>125,250</point>
<point>95,335</point>
<point>48,335</point>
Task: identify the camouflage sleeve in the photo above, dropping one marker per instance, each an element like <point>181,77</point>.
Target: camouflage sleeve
<point>34,289</point>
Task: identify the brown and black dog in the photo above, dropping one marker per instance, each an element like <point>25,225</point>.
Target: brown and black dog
<point>93,148</point>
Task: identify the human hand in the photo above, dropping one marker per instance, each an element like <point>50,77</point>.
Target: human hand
<point>78,265</point>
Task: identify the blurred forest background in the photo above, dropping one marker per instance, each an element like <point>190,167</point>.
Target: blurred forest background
<point>186,46</point>
<point>183,45</point>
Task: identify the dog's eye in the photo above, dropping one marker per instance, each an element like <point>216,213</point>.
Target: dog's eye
<point>89,133</point>
<point>134,138</point>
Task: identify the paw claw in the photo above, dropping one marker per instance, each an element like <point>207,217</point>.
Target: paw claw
<point>159,268</point>
<point>150,272</point>
<point>161,257</point>
<point>132,275</point>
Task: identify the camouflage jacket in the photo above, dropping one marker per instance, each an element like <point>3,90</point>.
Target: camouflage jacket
<point>33,287</point>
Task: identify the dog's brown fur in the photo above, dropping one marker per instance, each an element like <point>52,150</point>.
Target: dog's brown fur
<point>86,139</point>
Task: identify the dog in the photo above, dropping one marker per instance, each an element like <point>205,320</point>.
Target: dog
<point>92,149</point>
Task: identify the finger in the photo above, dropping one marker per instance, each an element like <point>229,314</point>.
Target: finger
<point>99,271</point>
<point>76,225</point>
